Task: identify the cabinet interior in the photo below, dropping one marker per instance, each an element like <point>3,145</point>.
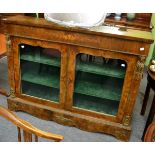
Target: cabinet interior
<point>98,83</point>
<point>40,72</point>
<point>98,80</point>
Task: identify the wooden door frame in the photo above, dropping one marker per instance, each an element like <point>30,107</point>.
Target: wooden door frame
<point>131,63</point>
<point>17,79</point>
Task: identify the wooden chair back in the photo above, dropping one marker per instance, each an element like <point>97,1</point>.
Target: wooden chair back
<point>28,129</point>
<point>150,133</point>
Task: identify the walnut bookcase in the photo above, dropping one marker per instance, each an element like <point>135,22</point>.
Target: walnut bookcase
<point>87,78</point>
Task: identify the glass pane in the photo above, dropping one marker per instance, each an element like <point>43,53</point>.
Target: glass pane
<point>98,83</point>
<point>40,72</point>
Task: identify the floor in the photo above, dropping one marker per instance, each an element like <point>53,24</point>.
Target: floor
<point>8,133</point>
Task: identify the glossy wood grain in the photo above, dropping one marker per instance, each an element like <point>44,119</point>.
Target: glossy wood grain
<point>131,46</point>
<point>2,45</point>
<point>62,48</point>
<point>107,31</point>
<point>150,133</point>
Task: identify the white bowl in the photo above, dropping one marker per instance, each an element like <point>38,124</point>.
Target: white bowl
<point>152,68</point>
<point>153,61</point>
<point>76,19</point>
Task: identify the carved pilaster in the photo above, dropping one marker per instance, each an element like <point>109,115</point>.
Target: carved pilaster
<point>127,120</point>
<point>140,67</point>
<point>12,93</point>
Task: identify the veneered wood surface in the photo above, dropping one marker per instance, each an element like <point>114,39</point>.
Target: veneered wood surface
<point>131,62</point>
<point>102,30</point>
<point>17,79</point>
<point>132,46</point>
<point>65,117</point>
<point>81,39</point>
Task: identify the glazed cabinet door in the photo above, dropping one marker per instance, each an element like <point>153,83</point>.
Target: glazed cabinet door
<point>40,71</point>
<point>99,82</point>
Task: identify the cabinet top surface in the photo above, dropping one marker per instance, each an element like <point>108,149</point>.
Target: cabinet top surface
<point>108,31</point>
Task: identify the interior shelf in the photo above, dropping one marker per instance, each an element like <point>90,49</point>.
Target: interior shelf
<point>96,104</point>
<point>112,70</point>
<point>98,86</point>
<point>93,86</point>
<point>40,80</point>
<point>43,78</point>
<point>40,91</point>
<point>44,59</point>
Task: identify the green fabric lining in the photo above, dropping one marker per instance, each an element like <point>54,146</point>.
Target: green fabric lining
<point>40,91</point>
<point>95,104</point>
<point>98,86</point>
<point>105,69</point>
<point>44,59</point>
